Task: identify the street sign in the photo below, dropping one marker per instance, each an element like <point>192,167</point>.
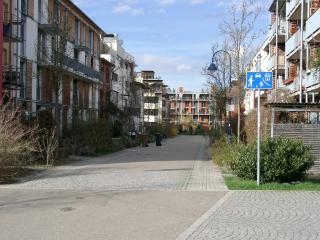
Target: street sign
<point>259,80</point>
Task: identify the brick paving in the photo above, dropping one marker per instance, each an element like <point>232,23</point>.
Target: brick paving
<point>182,164</point>
<point>260,215</point>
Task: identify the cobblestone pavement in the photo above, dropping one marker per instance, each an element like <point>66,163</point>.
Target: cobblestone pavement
<point>151,193</point>
<point>181,164</point>
<point>260,215</point>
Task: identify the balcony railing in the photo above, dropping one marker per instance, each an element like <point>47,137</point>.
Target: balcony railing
<point>11,77</point>
<point>313,25</point>
<point>293,42</point>
<point>291,6</point>
<point>281,30</point>
<point>75,65</point>
<point>81,68</point>
<point>12,25</point>
<point>312,78</point>
<point>272,62</point>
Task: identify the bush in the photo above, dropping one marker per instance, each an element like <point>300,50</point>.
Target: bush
<point>222,152</point>
<point>18,143</point>
<point>282,160</point>
<point>216,134</point>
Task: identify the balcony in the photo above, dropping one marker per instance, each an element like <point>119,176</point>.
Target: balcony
<point>71,65</point>
<point>281,32</point>
<point>81,68</point>
<point>272,62</point>
<point>293,9</point>
<point>312,78</point>
<point>81,46</point>
<point>11,77</point>
<point>12,25</point>
<point>313,27</point>
<point>292,44</point>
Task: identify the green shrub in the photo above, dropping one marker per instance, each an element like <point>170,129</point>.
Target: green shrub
<point>282,160</point>
<point>216,134</point>
<point>222,152</point>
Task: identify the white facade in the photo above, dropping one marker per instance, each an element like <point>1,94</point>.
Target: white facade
<point>123,74</point>
<point>293,38</point>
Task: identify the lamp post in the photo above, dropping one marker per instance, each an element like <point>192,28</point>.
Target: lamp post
<point>213,68</point>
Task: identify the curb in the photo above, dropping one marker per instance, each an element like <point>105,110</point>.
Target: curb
<point>188,233</point>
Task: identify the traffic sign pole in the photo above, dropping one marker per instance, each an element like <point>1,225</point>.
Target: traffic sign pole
<point>258,139</point>
<point>259,80</point>
<point>258,126</point>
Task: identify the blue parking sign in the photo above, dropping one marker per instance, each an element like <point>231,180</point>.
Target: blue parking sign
<point>259,80</point>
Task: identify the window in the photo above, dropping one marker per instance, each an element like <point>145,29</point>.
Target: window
<point>75,93</point>
<point>78,32</point>
<point>151,112</point>
<point>76,54</point>
<point>83,42</point>
<point>57,14</point>
<point>114,77</point>
<point>91,39</point>
<point>4,56</point>
<point>24,6</point>
<point>40,10</point>
<point>151,99</point>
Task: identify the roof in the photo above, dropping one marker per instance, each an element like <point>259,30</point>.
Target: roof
<point>85,15</point>
<point>301,106</point>
<point>274,5</point>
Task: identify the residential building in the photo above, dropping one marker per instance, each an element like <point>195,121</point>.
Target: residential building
<point>153,97</point>
<point>125,92</point>
<point>51,59</point>
<point>292,44</point>
<point>189,105</point>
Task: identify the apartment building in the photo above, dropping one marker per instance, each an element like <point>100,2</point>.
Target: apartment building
<point>51,58</point>
<point>153,97</point>
<point>297,43</point>
<point>125,92</point>
<point>291,47</point>
<point>123,71</point>
<point>188,105</point>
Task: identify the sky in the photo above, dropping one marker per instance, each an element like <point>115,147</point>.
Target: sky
<point>171,37</point>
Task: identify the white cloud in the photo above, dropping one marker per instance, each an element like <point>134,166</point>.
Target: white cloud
<point>165,2</point>
<point>183,67</point>
<point>220,4</point>
<point>122,8</point>
<point>198,1</point>
<point>161,11</point>
<point>128,6</point>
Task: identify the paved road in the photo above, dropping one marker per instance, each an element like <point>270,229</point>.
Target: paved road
<point>259,215</point>
<point>149,193</point>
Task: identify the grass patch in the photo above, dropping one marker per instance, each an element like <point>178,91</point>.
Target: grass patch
<point>235,183</point>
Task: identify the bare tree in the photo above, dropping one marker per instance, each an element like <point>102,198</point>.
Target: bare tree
<point>239,29</point>
<point>219,81</point>
<point>52,56</point>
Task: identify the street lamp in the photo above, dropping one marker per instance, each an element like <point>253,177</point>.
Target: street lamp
<point>213,68</point>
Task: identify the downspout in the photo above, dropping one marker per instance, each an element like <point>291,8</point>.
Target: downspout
<point>1,45</point>
<point>277,45</point>
<point>301,49</point>
<point>307,52</point>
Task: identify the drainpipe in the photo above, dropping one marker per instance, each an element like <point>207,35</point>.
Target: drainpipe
<point>277,44</point>
<point>1,46</point>
<point>301,49</point>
